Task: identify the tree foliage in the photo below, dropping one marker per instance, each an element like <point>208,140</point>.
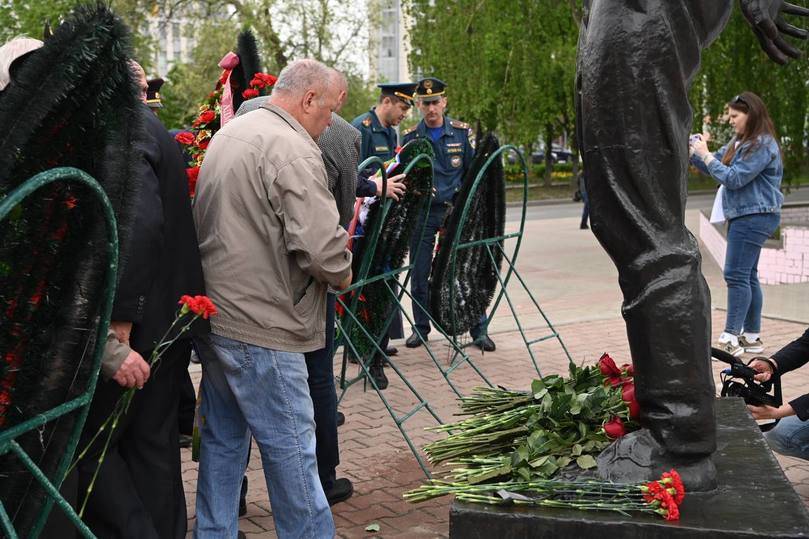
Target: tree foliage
<point>511,67</point>
<point>735,63</point>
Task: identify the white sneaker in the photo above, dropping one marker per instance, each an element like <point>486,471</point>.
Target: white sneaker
<point>751,347</point>
<point>733,349</point>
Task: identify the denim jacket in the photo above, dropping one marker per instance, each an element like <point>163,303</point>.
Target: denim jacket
<point>752,180</point>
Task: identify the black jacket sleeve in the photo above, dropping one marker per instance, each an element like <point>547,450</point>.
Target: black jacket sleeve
<point>789,358</point>
<point>365,187</point>
<point>145,240</point>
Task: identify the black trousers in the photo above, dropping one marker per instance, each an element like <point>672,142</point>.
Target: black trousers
<point>320,367</point>
<point>138,492</point>
<point>636,61</point>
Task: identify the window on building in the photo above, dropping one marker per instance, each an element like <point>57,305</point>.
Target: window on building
<point>176,34</point>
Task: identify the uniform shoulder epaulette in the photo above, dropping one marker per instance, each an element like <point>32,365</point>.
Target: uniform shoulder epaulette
<point>459,124</point>
<point>409,130</point>
<point>367,121</point>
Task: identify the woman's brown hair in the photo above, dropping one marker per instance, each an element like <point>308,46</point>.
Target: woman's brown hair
<point>758,123</point>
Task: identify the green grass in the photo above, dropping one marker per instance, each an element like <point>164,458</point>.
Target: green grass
<point>564,191</point>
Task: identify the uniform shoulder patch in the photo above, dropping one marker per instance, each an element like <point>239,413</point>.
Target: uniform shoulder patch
<point>367,121</point>
<point>459,124</point>
<point>409,130</point>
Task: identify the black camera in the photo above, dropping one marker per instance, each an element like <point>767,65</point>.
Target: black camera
<point>739,381</point>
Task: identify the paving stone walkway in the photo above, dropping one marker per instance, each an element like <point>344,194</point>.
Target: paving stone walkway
<point>576,284</point>
<point>376,458</point>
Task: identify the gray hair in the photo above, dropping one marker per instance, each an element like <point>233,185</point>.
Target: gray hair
<point>302,75</point>
<point>12,50</point>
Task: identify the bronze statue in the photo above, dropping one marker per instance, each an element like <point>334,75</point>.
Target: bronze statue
<point>636,61</point>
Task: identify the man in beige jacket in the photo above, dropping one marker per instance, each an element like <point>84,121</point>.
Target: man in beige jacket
<point>271,245</point>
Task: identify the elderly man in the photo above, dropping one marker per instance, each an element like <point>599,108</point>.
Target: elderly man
<point>271,243</point>
<point>340,146</point>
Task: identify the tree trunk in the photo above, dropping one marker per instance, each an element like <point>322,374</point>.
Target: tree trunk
<point>548,156</point>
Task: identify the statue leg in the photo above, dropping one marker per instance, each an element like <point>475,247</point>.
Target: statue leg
<point>634,69</point>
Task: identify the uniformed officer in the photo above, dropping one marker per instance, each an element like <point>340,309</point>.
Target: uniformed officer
<point>453,157</point>
<point>379,137</point>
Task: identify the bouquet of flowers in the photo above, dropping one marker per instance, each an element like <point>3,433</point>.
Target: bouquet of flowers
<point>191,308</point>
<point>212,117</point>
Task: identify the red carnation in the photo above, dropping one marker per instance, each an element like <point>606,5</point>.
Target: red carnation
<point>673,479</point>
<point>250,93</point>
<point>185,138</point>
<point>628,396</point>
<point>268,79</point>
<point>672,512</point>
<point>199,305</point>
<point>192,173</point>
<point>608,367</point>
<point>614,428</point>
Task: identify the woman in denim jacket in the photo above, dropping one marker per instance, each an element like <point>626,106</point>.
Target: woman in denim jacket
<point>750,170</point>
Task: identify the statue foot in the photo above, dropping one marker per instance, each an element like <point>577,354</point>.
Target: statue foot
<point>637,457</point>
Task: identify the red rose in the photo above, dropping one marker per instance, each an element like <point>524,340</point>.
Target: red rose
<point>203,144</point>
<point>628,396</point>
<point>628,368</point>
<point>250,93</point>
<point>257,82</point>
<point>614,428</point>
<point>206,117</point>
<point>185,138</point>
<point>608,367</point>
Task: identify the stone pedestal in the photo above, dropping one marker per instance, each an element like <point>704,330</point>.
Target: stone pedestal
<point>754,499</point>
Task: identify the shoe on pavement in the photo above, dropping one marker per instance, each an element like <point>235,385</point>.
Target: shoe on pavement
<point>485,343</point>
<point>751,347</point>
<point>391,351</point>
<point>377,372</point>
<point>341,490</point>
<point>243,498</point>
<point>414,341</point>
<point>584,226</point>
<point>733,349</point>
<point>186,440</point>
<point>341,419</point>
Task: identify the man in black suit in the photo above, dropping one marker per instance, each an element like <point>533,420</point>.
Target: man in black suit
<point>138,492</point>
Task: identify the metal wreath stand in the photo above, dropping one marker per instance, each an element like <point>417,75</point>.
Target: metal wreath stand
<point>397,290</point>
<point>80,404</point>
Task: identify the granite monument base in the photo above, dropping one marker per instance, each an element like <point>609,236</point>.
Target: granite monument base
<point>754,499</point>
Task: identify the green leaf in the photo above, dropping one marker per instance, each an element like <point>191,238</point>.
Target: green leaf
<point>576,450</point>
<point>586,462</point>
<point>372,527</point>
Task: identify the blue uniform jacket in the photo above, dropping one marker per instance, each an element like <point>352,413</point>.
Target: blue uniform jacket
<point>453,156</point>
<point>376,141</point>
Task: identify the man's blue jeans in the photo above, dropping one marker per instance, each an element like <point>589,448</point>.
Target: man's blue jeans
<point>746,236</point>
<point>248,389</point>
<point>790,437</point>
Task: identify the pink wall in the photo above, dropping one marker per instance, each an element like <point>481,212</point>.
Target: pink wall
<point>786,264</point>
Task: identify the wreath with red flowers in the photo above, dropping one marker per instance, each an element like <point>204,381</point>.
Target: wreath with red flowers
<point>195,141</point>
